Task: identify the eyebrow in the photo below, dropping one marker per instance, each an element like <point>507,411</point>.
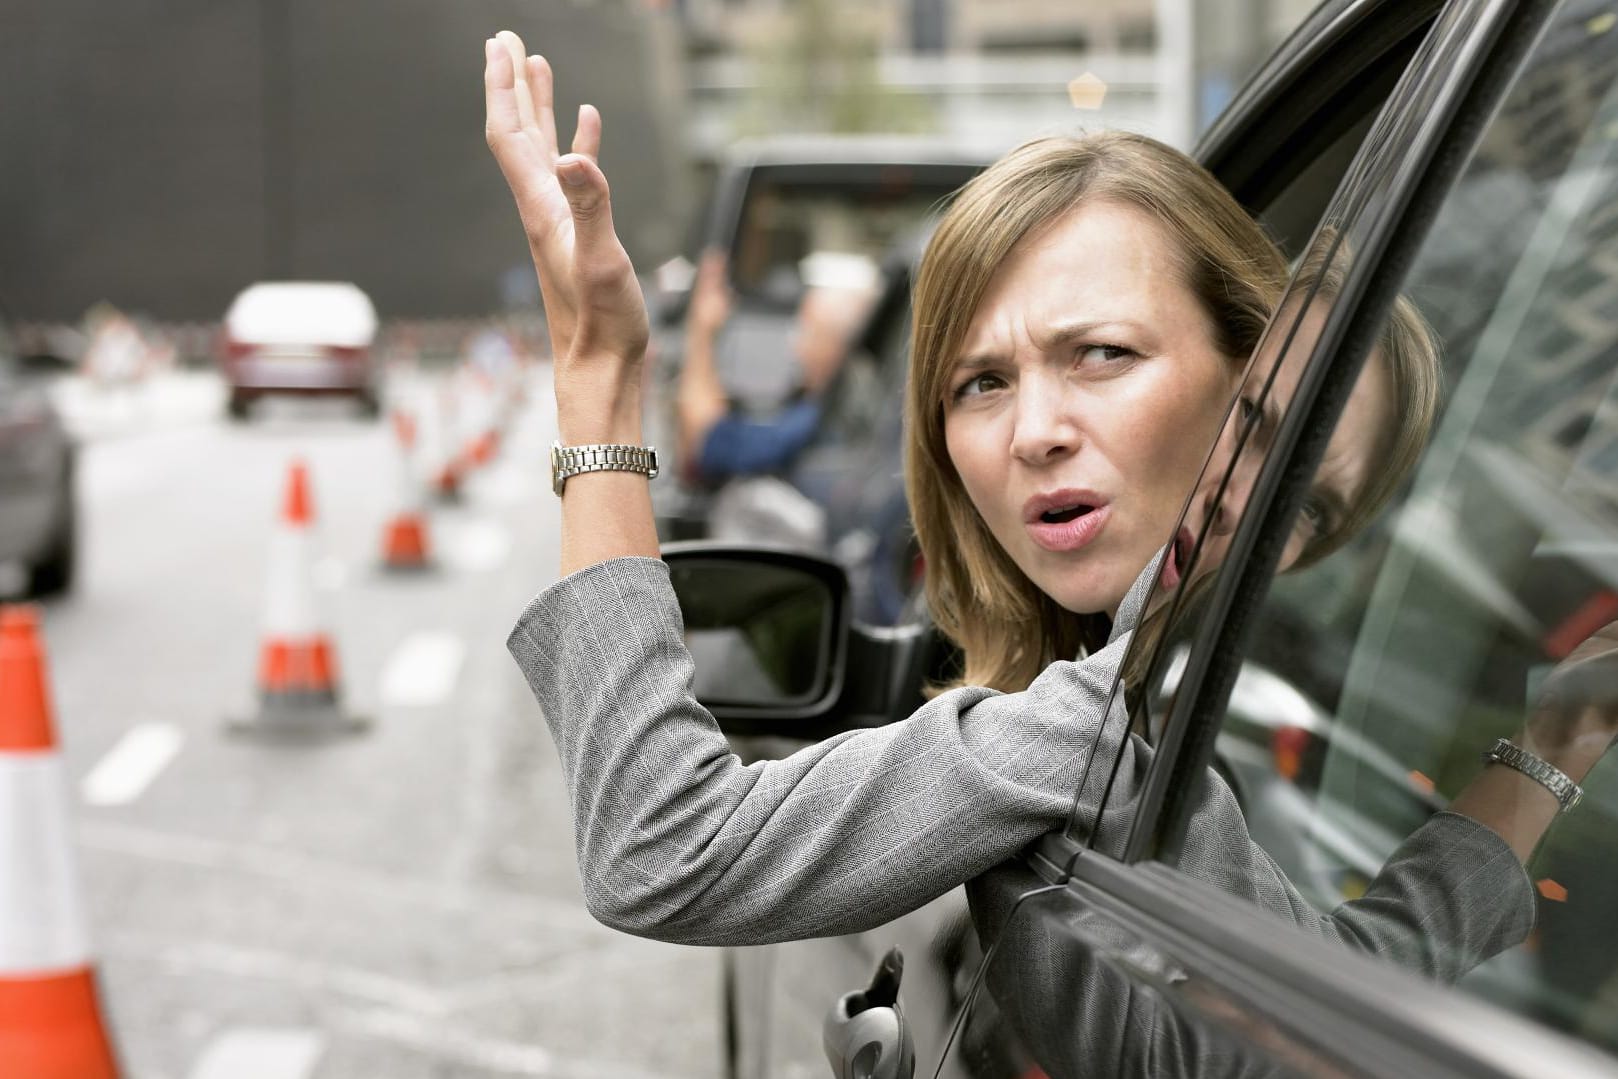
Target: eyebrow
<point>1063,333</point>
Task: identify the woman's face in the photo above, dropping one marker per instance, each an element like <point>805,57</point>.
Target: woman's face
<point>1355,448</point>
<point>1084,400</point>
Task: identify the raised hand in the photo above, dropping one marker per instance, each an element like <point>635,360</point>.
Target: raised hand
<point>593,304</point>
<point>1576,717</point>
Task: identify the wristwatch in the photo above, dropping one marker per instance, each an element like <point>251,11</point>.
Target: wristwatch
<point>1540,771</point>
<point>570,461</point>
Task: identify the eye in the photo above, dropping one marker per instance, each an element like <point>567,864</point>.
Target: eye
<point>977,385</point>
<point>1105,354</point>
<point>1250,411</point>
<point>1316,514</point>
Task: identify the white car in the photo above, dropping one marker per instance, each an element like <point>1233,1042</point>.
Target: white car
<point>300,337</point>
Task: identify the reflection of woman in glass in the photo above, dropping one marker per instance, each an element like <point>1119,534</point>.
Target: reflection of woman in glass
<point>1083,318</point>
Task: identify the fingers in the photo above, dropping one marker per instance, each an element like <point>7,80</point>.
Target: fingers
<point>501,115</point>
<point>519,66</point>
<point>542,98</point>
<point>587,139</point>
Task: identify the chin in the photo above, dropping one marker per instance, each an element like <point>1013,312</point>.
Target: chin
<point>1084,598</point>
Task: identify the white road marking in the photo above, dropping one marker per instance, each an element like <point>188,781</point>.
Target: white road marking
<point>454,1043</point>
<point>260,1053</point>
<point>502,484</point>
<point>129,768</point>
<point>477,546</point>
<point>422,670</point>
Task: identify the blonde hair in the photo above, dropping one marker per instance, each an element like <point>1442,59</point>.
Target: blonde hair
<point>1410,350</point>
<point>1006,627</point>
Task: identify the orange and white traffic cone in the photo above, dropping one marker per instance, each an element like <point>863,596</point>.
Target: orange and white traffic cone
<point>452,464</point>
<point>297,667</point>
<point>50,1014</point>
<point>405,545</point>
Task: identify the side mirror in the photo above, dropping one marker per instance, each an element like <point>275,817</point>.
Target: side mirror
<point>776,651</point>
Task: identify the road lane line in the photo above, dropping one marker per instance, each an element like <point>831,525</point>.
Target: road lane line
<point>188,955</point>
<point>422,670</point>
<point>451,1042</point>
<point>477,546</point>
<point>260,1053</point>
<point>131,765</point>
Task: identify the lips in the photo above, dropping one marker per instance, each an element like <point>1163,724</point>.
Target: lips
<point>1177,561</point>
<point>1065,520</point>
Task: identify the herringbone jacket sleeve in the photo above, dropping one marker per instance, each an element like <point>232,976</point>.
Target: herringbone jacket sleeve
<point>678,840</point>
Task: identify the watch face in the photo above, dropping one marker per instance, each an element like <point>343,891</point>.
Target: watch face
<point>556,467</point>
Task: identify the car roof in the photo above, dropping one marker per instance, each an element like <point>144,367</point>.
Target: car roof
<point>856,149</point>
<point>303,312</point>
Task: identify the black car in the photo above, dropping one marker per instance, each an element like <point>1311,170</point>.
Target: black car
<point>38,518</point>
<point>1463,153</point>
<point>775,203</point>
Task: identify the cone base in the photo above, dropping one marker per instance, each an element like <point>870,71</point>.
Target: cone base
<point>404,544</point>
<point>51,1028</point>
<point>297,717</point>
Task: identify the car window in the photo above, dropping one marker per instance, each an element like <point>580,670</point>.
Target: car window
<point>1381,673</point>
<point>1290,194</point>
<point>790,214</point>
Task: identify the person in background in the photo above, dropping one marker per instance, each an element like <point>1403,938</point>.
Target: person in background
<point>716,440</point>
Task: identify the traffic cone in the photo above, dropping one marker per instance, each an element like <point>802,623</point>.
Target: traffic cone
<point>452,464</point>
<point>50,1015</point>
<point>297,667</point>
<point>404,540</point>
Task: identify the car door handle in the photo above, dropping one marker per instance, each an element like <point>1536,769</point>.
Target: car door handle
<point>865,1033</point>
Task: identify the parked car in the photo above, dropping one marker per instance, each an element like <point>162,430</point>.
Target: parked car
<point>311,338</point>
<point>776,202</point>
<point>1460,152</point>
<point>38,512</point>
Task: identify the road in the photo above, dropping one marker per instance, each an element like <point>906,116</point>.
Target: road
<point>398,903</point>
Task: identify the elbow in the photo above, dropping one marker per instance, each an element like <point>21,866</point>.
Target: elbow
<point>638,912</point>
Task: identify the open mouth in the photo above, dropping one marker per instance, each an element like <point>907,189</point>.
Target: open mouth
<point>1066,520</point>
<point>1064,514</point>
<point>1179,559</point>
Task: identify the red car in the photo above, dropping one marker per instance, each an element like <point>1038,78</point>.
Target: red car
<point>300,337</point>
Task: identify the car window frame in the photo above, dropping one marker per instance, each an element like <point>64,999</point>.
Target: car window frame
<point>1373,1012</point>
<point>1489,39</point>
<point>1289,113</point>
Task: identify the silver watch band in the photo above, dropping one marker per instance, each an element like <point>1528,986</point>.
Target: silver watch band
<point>570,461</point>
<point>1552,778</point>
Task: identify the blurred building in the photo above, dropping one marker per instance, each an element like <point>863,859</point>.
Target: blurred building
<point>163,154</point>
<point>991,73</point>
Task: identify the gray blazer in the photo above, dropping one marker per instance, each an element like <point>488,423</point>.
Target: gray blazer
<point>678,840</point>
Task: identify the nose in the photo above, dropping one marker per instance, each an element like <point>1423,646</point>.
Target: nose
<point>1045,428</point>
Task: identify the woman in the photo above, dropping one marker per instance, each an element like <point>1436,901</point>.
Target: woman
<point>676,839</point>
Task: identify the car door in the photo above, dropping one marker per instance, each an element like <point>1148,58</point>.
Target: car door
<point>1356,921</point>
<point>1282,147</point>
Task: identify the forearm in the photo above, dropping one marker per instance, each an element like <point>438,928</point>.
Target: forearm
<point>700,399</point>
<point>604,514</point>
<point>1510,804</point>
<point>679,841</point>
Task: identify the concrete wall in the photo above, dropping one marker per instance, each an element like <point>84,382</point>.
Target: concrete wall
<point>161,154</point>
